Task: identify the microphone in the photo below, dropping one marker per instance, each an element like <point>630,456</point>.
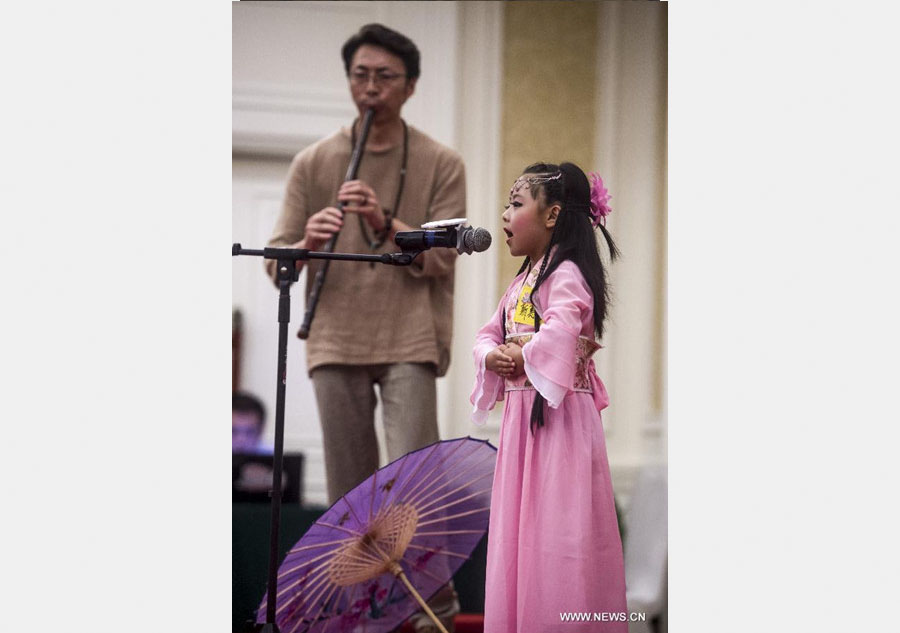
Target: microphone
<point>465,239</point>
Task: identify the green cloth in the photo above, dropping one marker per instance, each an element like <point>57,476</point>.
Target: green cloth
<point>250,527</point>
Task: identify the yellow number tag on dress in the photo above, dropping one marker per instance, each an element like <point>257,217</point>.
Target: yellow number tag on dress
<point>524,307</point>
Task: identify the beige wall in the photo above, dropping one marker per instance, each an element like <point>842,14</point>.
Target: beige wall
<point>548,107</point>
<point>631,153</point>
<point>586,82</point>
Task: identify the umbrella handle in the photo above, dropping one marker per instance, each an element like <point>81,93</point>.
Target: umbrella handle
<point>397,571</point>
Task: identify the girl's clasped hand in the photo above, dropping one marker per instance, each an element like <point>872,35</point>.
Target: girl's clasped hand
<point>506,361</point>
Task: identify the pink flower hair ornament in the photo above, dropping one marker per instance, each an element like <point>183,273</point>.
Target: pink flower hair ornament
<point>599,200</point>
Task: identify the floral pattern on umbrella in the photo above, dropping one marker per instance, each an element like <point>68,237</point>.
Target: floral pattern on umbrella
<point>400,535</point>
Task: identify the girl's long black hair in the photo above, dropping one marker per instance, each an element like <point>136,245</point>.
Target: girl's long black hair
<point>574,238</point>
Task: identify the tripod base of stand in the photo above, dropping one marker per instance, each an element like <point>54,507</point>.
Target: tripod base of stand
<point>268,627</point>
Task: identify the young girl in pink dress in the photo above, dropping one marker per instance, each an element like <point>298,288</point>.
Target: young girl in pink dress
<point>553,543</point>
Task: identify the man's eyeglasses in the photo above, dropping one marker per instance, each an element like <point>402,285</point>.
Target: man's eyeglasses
<point>361,77</point>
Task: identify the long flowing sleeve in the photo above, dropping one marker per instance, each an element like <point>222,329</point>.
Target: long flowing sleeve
<point>488,385</point>
<point>563,301</point>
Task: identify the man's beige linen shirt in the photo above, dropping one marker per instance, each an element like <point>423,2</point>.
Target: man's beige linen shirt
<point>377,313</point>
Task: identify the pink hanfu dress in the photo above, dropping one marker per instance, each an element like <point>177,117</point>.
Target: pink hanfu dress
<point>553,540</point>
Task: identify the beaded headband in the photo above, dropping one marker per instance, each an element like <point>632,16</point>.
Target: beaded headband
<point>599,206</point>
<point>525,182</point>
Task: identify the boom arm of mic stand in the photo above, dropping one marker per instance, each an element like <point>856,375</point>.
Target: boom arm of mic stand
<point>404,258</point>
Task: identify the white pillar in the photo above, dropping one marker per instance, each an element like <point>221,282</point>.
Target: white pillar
<point>631,156</point>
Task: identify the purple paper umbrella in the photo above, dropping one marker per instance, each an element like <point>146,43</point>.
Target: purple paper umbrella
<point>400,535</point>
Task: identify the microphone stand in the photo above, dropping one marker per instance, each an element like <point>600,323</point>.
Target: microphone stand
<point>287,274</point>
